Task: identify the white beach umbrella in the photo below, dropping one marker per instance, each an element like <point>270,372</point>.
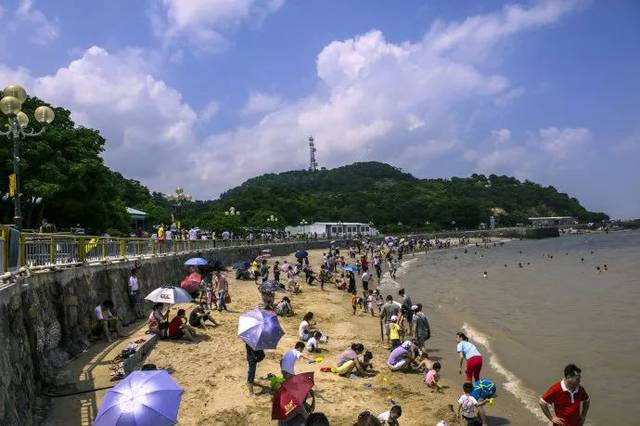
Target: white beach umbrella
<point>169,295</point>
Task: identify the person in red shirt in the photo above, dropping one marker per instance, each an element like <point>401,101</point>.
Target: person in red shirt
<point>570,401</point>
<point>178,327</point>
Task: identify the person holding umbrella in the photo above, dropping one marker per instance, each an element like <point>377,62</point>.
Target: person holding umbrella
<point>259,330</point>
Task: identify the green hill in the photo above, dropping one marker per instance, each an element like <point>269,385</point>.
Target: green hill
<point>385,195</point>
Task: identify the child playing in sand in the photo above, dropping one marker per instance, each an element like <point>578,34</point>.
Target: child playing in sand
<point>342,282</point>
<point>391,417</point>
<point>354,301</point>
<point>432,377</point>
<point>468,406</point>
<point>313,344</point>
<point>394,332</point>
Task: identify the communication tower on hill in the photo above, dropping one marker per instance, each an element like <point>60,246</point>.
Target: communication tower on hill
<point>313,164</point>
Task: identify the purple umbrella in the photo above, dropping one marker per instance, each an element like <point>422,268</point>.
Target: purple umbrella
<point>142,398</point>
<point>260,329</point>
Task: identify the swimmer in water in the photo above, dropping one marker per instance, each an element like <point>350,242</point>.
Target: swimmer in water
<point>484,274</point>
<point>606,268</point>
<point>519,264</point>
<point>582,259</point>
<point>598,269</point>
<point>505,265</point>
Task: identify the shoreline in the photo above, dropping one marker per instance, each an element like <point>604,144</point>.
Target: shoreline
<point>512,406</point>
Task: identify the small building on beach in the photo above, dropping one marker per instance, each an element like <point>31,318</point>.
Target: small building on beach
<point>333,229</point>
<point>553,221</point>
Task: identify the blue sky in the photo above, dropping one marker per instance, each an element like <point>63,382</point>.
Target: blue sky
<point>207,93</point>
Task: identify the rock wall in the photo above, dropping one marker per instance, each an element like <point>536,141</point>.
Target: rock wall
<point>46,318</point>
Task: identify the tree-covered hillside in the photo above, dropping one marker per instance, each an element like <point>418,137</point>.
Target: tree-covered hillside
<point>382,194</point>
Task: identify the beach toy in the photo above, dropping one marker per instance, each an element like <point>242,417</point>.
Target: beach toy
<point>319,359</point>
<point>491,401</point>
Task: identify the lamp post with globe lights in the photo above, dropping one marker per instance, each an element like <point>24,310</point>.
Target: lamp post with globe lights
<point>11,105</point>
<point>177,199</point>
<point>304,223</point>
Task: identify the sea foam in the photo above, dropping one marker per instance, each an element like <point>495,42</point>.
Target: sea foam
<point>512,384</point>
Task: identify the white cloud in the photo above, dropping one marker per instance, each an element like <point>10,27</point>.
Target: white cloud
<point>377,100</point>
<point>203,23</point>
<point>259,103</point>
<point>209,111</point>
<point>501,135</point>
<point>40,29</point>
<point>561,143</point>
<point>147,124</point>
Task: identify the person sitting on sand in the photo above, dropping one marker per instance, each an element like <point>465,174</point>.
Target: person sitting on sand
<point>178,328</point>
<point>288,361</point>
<point>108,323</point>
<point>292,283</point>
<point>199,315</point>
<point>358,366</point>
<point>306,328</point>
<point>284,307</point>
<point>313,344</point>
<point>341,283</point>
<point>391,417</point>
<point>158,321</point>
<point>350,354</point>
<point>401,358</point>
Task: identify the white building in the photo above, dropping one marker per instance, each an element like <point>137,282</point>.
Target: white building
<point>333,229</point>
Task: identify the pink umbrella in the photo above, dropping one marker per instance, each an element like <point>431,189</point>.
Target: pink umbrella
<point>191,283</point>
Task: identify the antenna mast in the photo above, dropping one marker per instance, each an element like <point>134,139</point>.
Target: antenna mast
<point>313,164</point>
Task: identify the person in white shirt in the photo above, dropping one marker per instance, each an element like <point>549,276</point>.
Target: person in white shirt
<point>313,344</point>
<point>288,362</point>
<point>468,406</point>
<point>168,235</point>
<point>391,416</point>
<point>134,293</point>
<point>107,321</point>
<point>193,234</point>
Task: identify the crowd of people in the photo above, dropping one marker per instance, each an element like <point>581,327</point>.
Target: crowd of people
<point>404,327</point>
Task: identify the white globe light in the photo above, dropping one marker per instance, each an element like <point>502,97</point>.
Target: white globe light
<point>10,105</point>
<point>44,114</point>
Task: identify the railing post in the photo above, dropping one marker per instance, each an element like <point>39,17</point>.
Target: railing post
<point>104,248</point>
<point>153,248</point>
<point>82,249</point>
<point>52,250</point>
<point>23,250</point>
<point>173,246</point>
<point>123,247</point>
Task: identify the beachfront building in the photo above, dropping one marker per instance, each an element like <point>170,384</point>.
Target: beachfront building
<point>553,221</point>
<point>333,229</point>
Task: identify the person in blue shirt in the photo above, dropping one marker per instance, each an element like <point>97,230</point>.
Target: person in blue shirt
<point>469,353</point>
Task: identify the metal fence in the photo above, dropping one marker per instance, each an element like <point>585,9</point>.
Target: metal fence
<point>47,250</point>
<point>4,252</point>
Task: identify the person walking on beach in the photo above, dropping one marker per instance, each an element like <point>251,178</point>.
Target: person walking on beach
<point>134,293</point>
<point>389,309</point>
<point>470,353</point>
<point>569,399</point>
<point>222,288</point>
<point>422,329</point>
<point>407,304</point>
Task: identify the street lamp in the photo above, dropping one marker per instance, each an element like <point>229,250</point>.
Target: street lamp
<point>341,227</point>
<point>272,219</point>
<point>178,198</point>
<point>304,223</point>
<point>11,105</point>
<point>232,212</point>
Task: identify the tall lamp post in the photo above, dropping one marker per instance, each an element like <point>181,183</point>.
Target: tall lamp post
<point>178,198</point>
<point>304,223</point>
<point>232,212</point>
<point>273,220</point>
<point>11,105</point>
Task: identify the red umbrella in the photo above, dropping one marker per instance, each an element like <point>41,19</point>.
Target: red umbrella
<point>191,283</point>
<point>291,395</point>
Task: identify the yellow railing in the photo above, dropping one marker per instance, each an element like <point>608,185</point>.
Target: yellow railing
<point>46,250</point>
<point>4,252</point>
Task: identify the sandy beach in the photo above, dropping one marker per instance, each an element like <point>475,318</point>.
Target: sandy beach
<point>212,371</point>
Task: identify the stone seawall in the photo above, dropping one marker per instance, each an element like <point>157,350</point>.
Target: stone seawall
<point>46,318</point>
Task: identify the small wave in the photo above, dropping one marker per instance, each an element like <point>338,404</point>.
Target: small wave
<point>512,383</point>
<point>404,267</point>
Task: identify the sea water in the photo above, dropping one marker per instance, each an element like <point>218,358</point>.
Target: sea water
<point>542,305</point>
